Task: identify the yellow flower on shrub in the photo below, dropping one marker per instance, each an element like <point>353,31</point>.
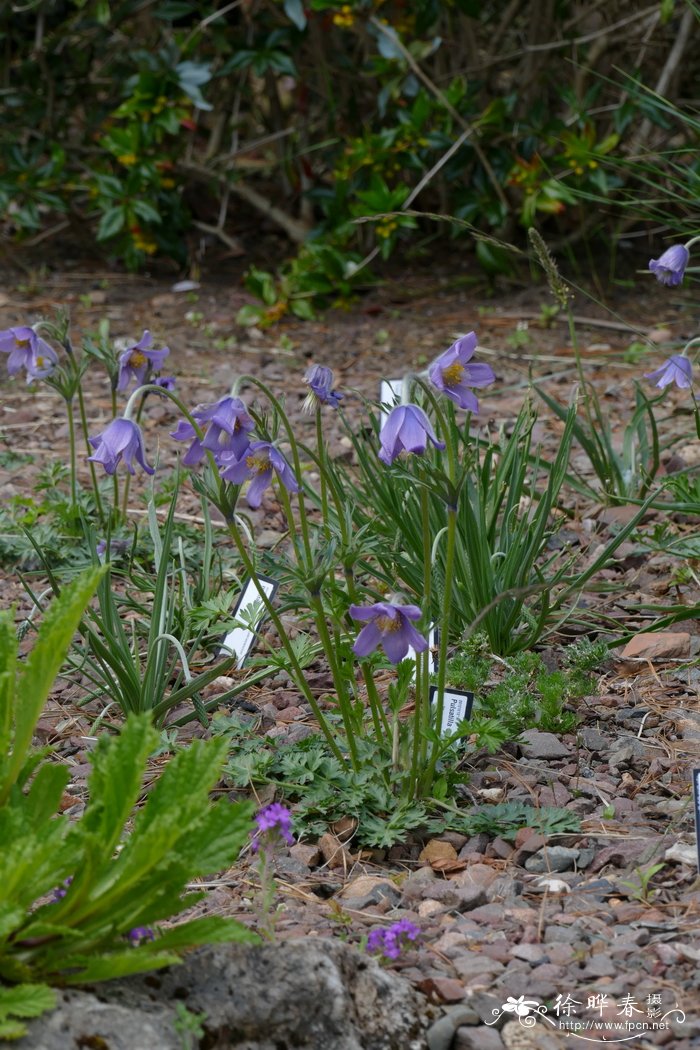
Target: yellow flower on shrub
<point>344,18</point>
<point>128,159</point>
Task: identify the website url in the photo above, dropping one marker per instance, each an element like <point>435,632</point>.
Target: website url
<point>613,1026</point>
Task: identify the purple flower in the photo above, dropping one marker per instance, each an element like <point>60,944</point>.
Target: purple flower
<point>226,424</point>
<point>390,942</point>
<point>26,350</point>
<point>139,935</point>
<point>115,547</point>
<point>60,891</point>
<point>138,359</point>
<point>452,374</point>
<point>165,382</point>
<point>274,819</point>
<point>669,268</point>
<point>677,369</point>
<point>406,429</point>
<point>320,381</point>
<point>388,625</point>
<point>121,440</point>
<point>258,463</point>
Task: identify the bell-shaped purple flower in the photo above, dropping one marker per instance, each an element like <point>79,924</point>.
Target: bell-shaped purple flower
<point>226,424</point>
<point>138,360</point>
<point>669,268</point>
<point>390,626</point>
<point>677,369</point>
<point>453,374</point>
<point>26,350</point>
<point>406,429</point>
<point>320,382</point>
<point>122,440</point>
<point>257,464</point>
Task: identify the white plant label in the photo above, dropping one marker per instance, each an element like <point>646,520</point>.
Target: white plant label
<point>390,391</point>
<point>456,707</point>
<point>251,610</point>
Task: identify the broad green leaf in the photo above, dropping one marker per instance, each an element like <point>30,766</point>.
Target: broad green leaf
<point>43,664</point>
<point>115,782</point>
<point>210,929</point>
<point>27,1000</point>
<point>42,800</point>
<point>112,222</point>
<point>118,964</point>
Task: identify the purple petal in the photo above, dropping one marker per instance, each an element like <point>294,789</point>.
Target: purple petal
<point>367,640</point>
<point>480,375</point>
<point>257,487</point>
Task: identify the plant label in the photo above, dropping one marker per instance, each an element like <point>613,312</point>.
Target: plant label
<point>456,707</point>
<point>251,611</point>
<point>696,799</point>
<point>390,391</point>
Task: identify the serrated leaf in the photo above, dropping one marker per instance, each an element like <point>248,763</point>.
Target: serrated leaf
<point>210,929</point>
<point>12,1030</point>
<point>43,664</point>
<point>117,964</point>
<point>26,1000</point>
<point>115,782</point>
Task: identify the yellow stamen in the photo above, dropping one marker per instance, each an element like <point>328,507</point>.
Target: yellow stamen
<point>452,375</point>
<point>386,623</point>
<point>137,359</point>
<point>257,463</point>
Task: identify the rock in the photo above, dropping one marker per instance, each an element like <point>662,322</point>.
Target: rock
<point>553,858</point>
<point>594,740</point>
<point>334,852</point>
<point>445,990</point>
<point>438,853</point>
<point>658,645</point>
<point>682,854</point>
<point>308,855</point>
<point>534,744</point>
<point>470,897</point>
<point>619,854</point>
<point>480,1038</point>
<point>415,882</point>
<point>440,1035</point>
<point>372,889</point>
<point>309,994</point>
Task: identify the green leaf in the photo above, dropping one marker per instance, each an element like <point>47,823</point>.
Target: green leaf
<point>211,929</point>
<point>249,315</point>
<point>43,664</point>
<point>112,222</point>
<point>147,212</point>
<point>26,1000</point>
<point>115,781</point>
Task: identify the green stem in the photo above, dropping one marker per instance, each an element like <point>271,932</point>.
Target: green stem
<point>88,446</point>
<point>284,639</point>
<point>421,718</point>
<point>73,459</point>
<point>322,461</point>
<point>338,680</point>
<point>444,629</point>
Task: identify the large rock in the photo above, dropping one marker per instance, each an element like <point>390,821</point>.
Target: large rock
<point>308,995</point>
